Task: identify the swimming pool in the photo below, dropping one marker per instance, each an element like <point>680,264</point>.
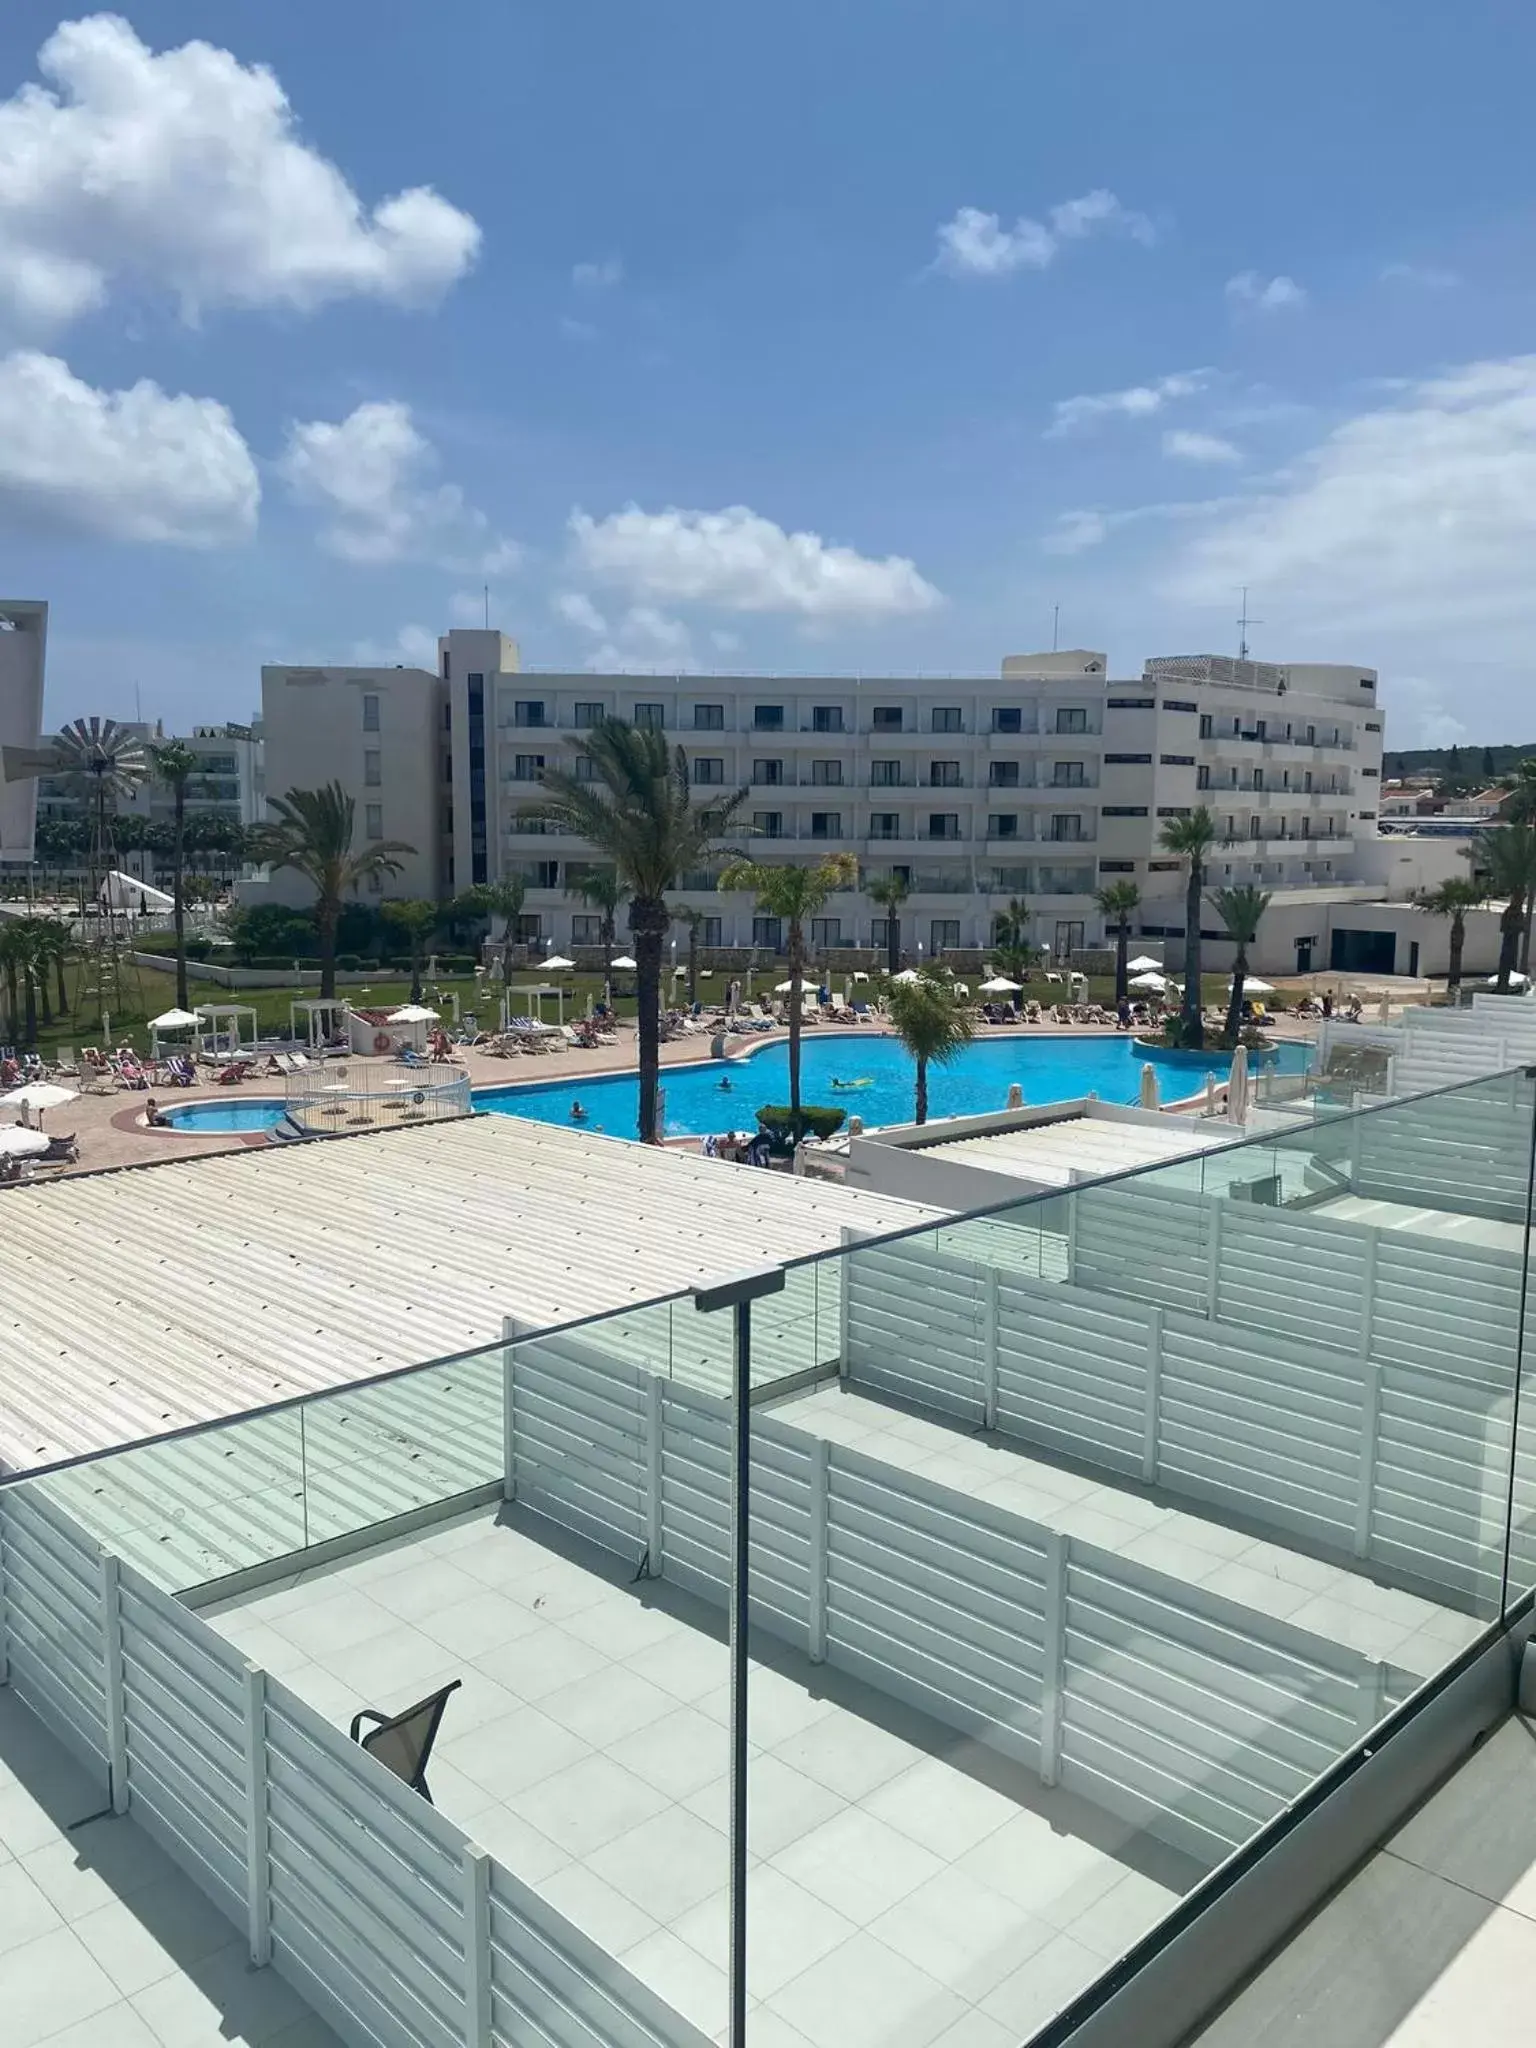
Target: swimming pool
<point>1048,1069</point>
<point>875,1072</point>
<point>251,1115</point>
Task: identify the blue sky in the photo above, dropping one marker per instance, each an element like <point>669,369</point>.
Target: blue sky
<point>835,335</point>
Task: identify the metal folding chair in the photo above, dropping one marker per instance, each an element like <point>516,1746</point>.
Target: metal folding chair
<point>403,1742</point>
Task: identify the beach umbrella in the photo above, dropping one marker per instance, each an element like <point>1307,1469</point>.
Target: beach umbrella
<point>1254,987</point>
<point>1150,1099</point>
<point>174,1020</point>
<point>39,1095</point>
<point>413,1013</point>
<point>1151,979</point>
<point>1237,1087</point>
<point>20,1143</point>
<point>906,974</point>
<point>624,962</point>
<point>1144,964</point>
<point>1516,979</point>
<point>557,964</point>
<point>999,985</point>
<point>785,988</point>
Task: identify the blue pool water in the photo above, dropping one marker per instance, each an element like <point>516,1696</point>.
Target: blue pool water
<point>1047,1069</point>
<point>227,1116</point>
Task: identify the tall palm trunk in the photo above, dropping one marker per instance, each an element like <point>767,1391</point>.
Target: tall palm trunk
<point>920,1104</point>
<point>12,998</point>
<point>29,999</point>
<point>1458,940</point>
<point>179,908</point>
<point>58,968</point>
<point>1122,971</point>
<point>415,938</point>
<point>796,973</point>
<point>892,944</point>
<point>1235,1005</point>
<point>648,922</point>
<point>327,910</point>
<point>693,964</point>
<point>1193,1033</point>
<point>508,941</point>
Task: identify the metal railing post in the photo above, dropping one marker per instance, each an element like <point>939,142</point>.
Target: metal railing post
<point>1213,1270</point>
<point>821,1480</point>
<point>258,1847</point>
<point>5,1635</point>
<point>508,1410</point>
<point>1055,1651</point>
<point>655,1426</point>
<point>989,1349</point>
<point>477,1947</point>
<point>112,1668</point>
<point>1151,1421</point>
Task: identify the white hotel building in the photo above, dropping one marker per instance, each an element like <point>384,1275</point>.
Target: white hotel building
<point>1044,782</point>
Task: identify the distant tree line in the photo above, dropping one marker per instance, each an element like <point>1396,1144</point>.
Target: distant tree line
<point>1463,768</point>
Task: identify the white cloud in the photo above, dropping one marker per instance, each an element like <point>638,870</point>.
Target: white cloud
<point>136,465</point>
<point>725,643</point>
<point>1424,275</point>
<point>1137,401</point>
<point>1417,515</point>
<point>370,474</point>
<point>1073,533</point>
<point>738,561</point>
<point>1420,717</point>
<point>1256,294</point>
<point>648,642</point>
<point>183,172</point>
<point>578,610</point>
<point>577,330</point>
<point>1187,447</point>
<point>412,647</point>
<point>598,277</point>
<point>977,244</point>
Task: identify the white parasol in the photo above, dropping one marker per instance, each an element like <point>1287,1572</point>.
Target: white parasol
<point>623,962</point>
<point>1000,985</point>
<point>39,1095</point>
<point>557,964</point>
<point>1237,1087</point>
<point>1151,979</point>
<point>1144,964</point>
<point>1150,1099</point>
<point>413,1013</point>
<point>20,1143</point>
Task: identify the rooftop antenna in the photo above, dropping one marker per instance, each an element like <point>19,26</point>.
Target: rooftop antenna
<point>138,708</point>
<point>487,607</point>
<point>1055,626</point>
<point>1242,628</point>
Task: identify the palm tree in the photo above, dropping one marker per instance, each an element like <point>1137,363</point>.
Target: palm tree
<point>890,892</point>
<point>1521,784</point>
<point>174,761</point>
<point>1506,856</point>
<point>415,919</point>
<point>1453,899</point>
<point>13,946</point>
<point>1241,910</point>
<point>1118,902</point>
<point>1010,939</point>
<point>602,890</point>
<point>638,812</point>
<point>694,920</point>
<point>1191,838</point>
<point>312,834</point>
<point>933,1023</point>
<point>54,942</point>
<point>792,894</point>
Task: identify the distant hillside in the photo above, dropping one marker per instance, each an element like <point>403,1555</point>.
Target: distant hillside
<point>1455,764</point>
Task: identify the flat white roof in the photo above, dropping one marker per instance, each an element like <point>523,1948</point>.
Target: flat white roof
<point>141,1301</point>
<point>1053,1153</point>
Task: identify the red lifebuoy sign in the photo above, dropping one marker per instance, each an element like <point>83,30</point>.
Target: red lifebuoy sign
<point>381,1041</point>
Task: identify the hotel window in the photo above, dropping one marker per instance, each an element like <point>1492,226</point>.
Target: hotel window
<point>827,718</point>
<point>826,824</point>
<point>370,714</point>
<point>1067,825</point>
<point>1176,760</point>
<point>583,769</point>
<point>943,932</point>
<point>770,824</point>
<point>1067,774</point>
<point>944,775</point>
<point>885,824</point>
<point>1008,718</point>
<point>586,930</point>
<point>943,825</point>
<point>767,931</point>
<point>1125,810</point>
<point>589,715</point>
<point>885,718</point>
<point>827,774</point>
<point>826,931</point>
<point>1003,825</point>
<point>527,767</point>
<point>885,774</point>
<point>709,718</point>
<point>1207,725</point>
<point>528,711</point>
<point>372,773</point>
<point>1072,721</point>
<point>1003,775</point>
<point>650,717</point>
<point>946,718</point>
<point>1122,867</point>
<point>1127,760</point>
<point>768,717</point>
<point>709,768</point>
<point>767,772</point>
<point>373,820</point>
<point>709,932</point>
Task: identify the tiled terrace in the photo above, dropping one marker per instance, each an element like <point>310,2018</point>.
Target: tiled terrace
<point>908,1886</point>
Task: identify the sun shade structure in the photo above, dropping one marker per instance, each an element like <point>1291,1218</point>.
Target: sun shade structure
<point>168,1022</point>
<point>1150,979</point>
<point>624,961</point>
<point>413,1013</point>
<point>557,964</point>
<point>39,1095</point>
<point>227,1027</point>
<point>1144,964</point>
<point>203,1287</point>
<point>1000,985</point>
<point>17,1142</point>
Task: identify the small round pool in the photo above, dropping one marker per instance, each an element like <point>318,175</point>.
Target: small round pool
<point>250,1115</point>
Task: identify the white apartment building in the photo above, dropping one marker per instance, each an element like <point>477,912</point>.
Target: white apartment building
<point>380,733</point>
<point>23,653</point>
<point>1042,783</point>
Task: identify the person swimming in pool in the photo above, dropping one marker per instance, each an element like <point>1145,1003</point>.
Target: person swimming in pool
<point>724,1083</point>
<point>578,1113</point>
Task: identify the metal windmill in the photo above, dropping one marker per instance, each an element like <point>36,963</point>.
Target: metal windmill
<point>101,763</point>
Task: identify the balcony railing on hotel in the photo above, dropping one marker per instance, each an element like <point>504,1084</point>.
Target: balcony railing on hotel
<point>1168,1494</point>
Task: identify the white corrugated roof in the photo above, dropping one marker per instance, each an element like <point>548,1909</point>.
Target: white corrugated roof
<point>141,1301</point>
<point>1074,1145</point>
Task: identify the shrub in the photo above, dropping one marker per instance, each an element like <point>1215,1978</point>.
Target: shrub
<point>819,1121</point>
<point>197,949</point>
<point>349,963</point>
